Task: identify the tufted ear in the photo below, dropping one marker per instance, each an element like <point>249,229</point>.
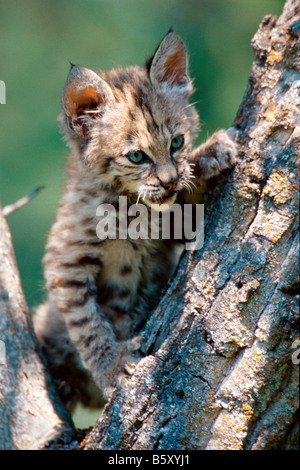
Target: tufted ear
<point>169,65</point>
<point>84,97</point>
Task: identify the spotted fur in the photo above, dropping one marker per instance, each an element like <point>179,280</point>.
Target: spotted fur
<point>100,292</point>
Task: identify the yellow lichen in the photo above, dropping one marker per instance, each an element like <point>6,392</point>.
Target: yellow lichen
<point>279,188</point>
<point>269,114</point>
<point>274,56</point>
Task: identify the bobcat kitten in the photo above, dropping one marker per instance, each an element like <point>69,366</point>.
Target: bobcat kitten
<point>131,133</point>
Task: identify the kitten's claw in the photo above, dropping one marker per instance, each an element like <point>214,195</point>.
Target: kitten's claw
<point>135,343</point>
<point>130,367</point>
<point>130,356</point>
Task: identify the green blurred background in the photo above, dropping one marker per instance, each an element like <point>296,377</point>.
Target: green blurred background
<point>38,38</point>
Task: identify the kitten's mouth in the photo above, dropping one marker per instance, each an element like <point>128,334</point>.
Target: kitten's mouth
<point>165,200</point>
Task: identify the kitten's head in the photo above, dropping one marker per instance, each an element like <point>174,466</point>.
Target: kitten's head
<point>134,127</point>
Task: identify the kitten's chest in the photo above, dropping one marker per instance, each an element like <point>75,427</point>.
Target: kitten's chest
<point>132,276</point>
<point>126,267</point>
<point>121,265</point>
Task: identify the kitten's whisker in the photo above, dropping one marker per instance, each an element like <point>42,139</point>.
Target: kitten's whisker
<point>92,111</point>
<point>192,185</point>
<point>191,104</point>
<point>190,177</point>
<point>187,186</point>
<point>190,188</point>
<point>138,198</point>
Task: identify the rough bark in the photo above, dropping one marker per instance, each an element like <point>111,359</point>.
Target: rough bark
<point>30,412</point>
<point>218,370</point>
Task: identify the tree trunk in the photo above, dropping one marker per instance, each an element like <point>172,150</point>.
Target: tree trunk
<point>220,369</point>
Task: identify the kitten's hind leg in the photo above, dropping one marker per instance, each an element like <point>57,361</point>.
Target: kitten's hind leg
<point>74,383</point>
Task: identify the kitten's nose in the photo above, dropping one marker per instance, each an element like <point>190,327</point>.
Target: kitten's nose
<point>171,184</point>
<point>168,177</point>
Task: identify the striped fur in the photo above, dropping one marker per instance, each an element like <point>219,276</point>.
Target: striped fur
<point>100,293</point>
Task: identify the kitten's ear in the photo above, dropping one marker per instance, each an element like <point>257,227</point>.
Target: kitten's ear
<point>169,65</point>
<point>84,97</point>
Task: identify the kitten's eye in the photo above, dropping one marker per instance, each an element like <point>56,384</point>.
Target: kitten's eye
<point>137,157</point>
<point>177,143</point>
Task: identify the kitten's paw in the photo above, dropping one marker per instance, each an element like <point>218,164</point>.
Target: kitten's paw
<point>123,369</point>
<point>135,343</point>
<point>216,155</point>
<point>129,367</point>
<point>130,356</point>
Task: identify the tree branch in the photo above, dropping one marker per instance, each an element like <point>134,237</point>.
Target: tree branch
<point>7,210</point>
<point>30,411</point>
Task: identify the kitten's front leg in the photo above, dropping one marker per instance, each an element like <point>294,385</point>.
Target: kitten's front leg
<point>105,357</point>
<point>218,153</point>
<point>74,298</point>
